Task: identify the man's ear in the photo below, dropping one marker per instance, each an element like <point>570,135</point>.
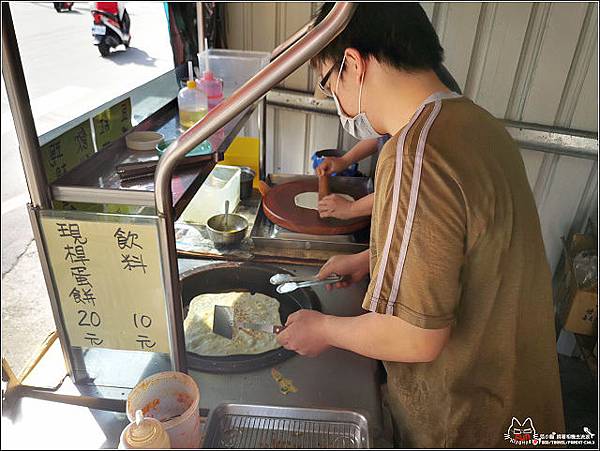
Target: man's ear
<point>355,63</point>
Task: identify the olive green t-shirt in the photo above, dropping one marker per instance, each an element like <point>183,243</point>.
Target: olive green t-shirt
<point>456,241</point>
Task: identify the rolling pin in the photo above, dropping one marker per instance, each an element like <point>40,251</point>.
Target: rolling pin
<point>323,186</point>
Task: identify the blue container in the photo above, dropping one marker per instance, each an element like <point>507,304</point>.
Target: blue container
<point>318,157</point>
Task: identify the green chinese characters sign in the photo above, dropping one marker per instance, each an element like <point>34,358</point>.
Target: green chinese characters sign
<point>112,123</point>
<point>67,151</point>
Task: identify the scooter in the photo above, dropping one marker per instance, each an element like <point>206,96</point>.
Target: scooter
<point>111,26</point>
<point>60,6</point>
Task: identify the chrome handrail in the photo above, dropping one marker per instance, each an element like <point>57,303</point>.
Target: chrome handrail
<point>286,63</point>
<point>292,39</point>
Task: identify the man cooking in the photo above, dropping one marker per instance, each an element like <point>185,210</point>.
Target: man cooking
<point>459,300</point>
<point>336,206</point>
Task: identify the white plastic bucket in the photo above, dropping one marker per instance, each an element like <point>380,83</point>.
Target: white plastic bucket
<point>174,399</point>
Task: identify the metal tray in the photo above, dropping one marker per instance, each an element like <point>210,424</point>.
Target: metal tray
<point>265,234</point>
<point>247,426</point>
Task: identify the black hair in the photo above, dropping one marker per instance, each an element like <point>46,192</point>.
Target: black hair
<point>398,34</point>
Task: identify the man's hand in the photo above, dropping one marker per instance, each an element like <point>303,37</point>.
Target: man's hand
<point>335,206</point>
<point>304,333</point>
<point>331,165</point>
<point>354,267</point>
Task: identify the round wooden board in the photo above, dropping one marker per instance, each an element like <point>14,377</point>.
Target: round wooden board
<point>280,208</point>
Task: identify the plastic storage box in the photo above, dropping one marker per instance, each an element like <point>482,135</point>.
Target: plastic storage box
<point>234,67</point>
<point>223,183</point>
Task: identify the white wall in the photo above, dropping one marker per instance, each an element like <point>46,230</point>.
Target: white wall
<point>531,62</point>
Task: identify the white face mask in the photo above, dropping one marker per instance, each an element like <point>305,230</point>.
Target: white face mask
<point>359,125</point>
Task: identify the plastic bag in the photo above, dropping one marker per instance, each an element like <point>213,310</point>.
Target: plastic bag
<point>585,265</point>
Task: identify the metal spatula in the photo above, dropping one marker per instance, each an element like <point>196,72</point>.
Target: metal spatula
<point>223,323</point>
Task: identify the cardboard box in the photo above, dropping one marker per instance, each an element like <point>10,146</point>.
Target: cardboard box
<point>581,306</point>
<point>582,313</point>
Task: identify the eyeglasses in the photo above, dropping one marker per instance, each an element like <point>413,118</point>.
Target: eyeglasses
<point>323,82</point>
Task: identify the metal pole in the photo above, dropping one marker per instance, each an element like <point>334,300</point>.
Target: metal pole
<point>18,98</point>
<point>291,40</point>
<point>250,92</point>
<point>262,143</point>
<point>200,25</point>
<point>37,184</point>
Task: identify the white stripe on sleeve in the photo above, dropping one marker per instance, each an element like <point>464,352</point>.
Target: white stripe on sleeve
<point>394,213</point>
<point>414,195</point>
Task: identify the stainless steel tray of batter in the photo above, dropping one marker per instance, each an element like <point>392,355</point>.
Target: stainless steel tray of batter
<point>266,234</point>
<point>244,426</point>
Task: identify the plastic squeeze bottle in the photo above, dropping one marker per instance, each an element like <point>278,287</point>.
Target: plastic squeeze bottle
<point>192,102</point>
<point>144,433</point>
<point>212,86</point>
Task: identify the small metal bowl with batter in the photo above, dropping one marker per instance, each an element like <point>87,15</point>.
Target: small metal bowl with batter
<point>226,229</point>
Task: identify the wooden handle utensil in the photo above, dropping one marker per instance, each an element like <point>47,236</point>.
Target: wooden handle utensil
<point>323,186</point>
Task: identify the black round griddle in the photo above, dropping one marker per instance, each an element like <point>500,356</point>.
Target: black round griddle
<point>234,276</point>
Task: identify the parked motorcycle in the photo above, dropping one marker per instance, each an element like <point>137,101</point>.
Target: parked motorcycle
<point>111,26</point>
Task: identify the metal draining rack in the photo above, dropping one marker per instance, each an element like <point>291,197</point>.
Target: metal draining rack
<point>250,427</point>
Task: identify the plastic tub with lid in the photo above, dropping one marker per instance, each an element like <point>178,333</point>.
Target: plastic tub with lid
<point>223,183</point>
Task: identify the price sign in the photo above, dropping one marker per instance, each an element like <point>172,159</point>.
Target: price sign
<point>108,278</point>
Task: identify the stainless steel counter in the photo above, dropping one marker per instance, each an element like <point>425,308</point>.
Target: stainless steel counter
<point>34,423</point>
<point>335,379</point>
<point>90,416</point>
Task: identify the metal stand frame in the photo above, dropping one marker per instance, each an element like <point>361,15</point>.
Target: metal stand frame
<point>286,58</point>
<point>39,191</point>
<point>255,88</point>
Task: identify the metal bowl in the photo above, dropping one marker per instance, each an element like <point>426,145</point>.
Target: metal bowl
<point>226,234</point>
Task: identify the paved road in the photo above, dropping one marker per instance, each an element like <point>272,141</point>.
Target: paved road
<point>66,77</point>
